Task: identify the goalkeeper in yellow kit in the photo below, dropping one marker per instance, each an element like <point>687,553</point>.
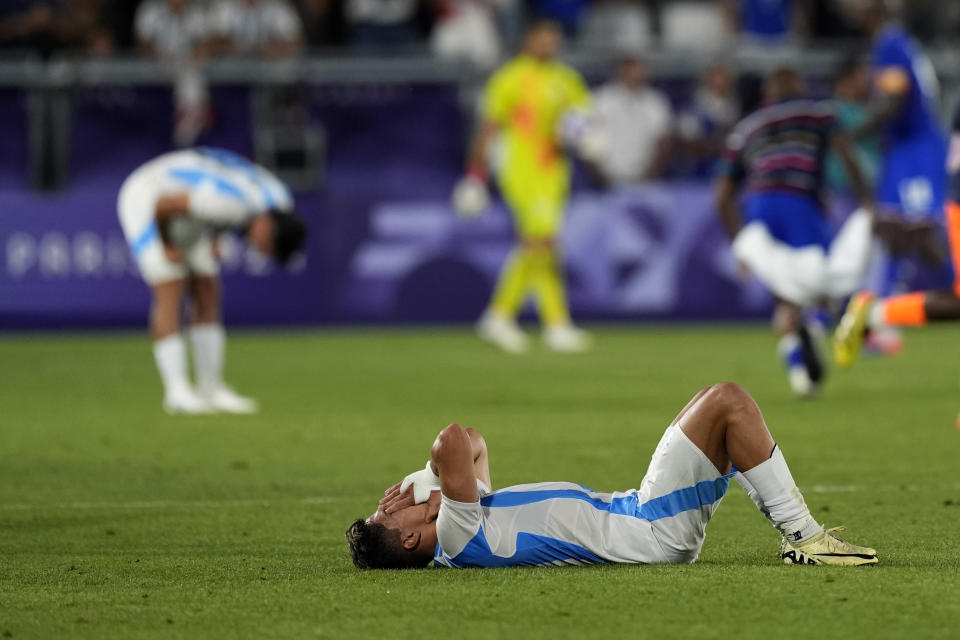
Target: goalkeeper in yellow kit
<point>532,107</point>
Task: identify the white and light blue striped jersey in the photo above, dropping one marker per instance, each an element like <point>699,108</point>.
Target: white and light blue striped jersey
<point>233,188</point>
<point>562,523</point>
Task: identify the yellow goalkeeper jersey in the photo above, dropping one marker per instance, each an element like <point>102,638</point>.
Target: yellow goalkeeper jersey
<point>526,98</point>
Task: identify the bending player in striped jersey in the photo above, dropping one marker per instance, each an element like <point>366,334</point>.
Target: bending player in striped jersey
<point>447,514</point>
<point>171,209</point>
<point>783,235</point>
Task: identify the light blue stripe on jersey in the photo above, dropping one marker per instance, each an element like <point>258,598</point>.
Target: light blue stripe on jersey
<point>141,242</point>
<point>238,162</point>
<point>700,494</point>
<point>194,177</point>
<point>532,550</point>
<point>666,506</point>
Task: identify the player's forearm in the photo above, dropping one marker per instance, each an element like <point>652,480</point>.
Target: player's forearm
<point>851,166</point>
<point>478,446</point>
<point>480,149</point>
<point>728,208</point>
<point>883,108</point>
<point>166,209</point>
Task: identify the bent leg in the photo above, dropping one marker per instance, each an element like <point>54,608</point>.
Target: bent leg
<point>791,273</point>
<point>726,424</point>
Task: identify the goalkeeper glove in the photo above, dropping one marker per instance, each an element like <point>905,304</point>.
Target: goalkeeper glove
<point>471,196</point>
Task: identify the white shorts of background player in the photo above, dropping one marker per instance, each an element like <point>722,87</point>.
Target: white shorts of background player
<point>806,275</point>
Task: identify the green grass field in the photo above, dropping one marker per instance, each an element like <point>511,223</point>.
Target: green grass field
<point>117,521</point>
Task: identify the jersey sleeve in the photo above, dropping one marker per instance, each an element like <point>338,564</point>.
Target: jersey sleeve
<point>890,52</point>
<point>457,524</point>
<point>497,98</point>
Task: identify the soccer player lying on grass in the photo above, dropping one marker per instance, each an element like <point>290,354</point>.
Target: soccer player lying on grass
<point>447,512</point>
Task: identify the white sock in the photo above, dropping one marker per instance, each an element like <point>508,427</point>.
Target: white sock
<point>208,341</point>
<point>752,492</point>
<point>170,355</point>
<point>781,499</point>
<point>875,318</point>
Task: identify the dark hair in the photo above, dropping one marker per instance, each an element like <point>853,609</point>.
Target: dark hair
<point>373,546</point>
<point>288,235</point>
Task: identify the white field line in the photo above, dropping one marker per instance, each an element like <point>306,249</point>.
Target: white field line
<point>170,504</point>
<point>320,500</point>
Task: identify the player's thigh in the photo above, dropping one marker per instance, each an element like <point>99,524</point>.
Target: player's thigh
<point>679,494</point>
<point>201,258</point>
<point>155,268</point>
<point>537,204</point>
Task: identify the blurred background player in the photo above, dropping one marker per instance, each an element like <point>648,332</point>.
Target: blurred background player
<point>912,179</point>
<point>170,210</point>
<point>778,154</point>
<point>865,314</point>
<point>525,103</point>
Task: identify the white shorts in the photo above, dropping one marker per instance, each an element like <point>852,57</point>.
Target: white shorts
<point>135,206</point>
<point>679,494</point>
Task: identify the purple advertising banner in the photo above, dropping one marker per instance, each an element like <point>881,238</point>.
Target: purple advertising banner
<point>384,245</point>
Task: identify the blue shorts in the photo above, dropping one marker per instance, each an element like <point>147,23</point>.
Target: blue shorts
<point>913,178</point>
<point>792,219</point>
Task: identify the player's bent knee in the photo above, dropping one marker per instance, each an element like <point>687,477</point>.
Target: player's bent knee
<point>730,397</point>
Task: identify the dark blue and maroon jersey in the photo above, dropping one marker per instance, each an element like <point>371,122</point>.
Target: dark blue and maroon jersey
<point>781,148</point>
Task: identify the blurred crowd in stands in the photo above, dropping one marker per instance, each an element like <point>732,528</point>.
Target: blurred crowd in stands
<point>651,135</point>
<point>480,30</point>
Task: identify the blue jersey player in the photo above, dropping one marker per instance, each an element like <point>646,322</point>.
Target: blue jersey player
<point>913,185</point>
<point>447,514</point>
<point>775,160</point>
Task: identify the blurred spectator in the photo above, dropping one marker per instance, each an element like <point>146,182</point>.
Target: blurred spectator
<point>259,28</point>
<point>170,30</point>
<point>851,92</point>
<point>638,122</point>
<point>830,19</point>
<point>617,25</point>
<point>566,13</point>
<point>84,26</point>
<point>700,25</point>
<point>27,25</point>
<point>382,23</point>
<point>322,22</point>
<point>767,21</point>
<point>466,29</point>
<point>702,127</point>
<point>174,32</point>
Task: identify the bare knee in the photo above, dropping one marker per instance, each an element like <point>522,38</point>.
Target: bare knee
<point>729,398</point>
